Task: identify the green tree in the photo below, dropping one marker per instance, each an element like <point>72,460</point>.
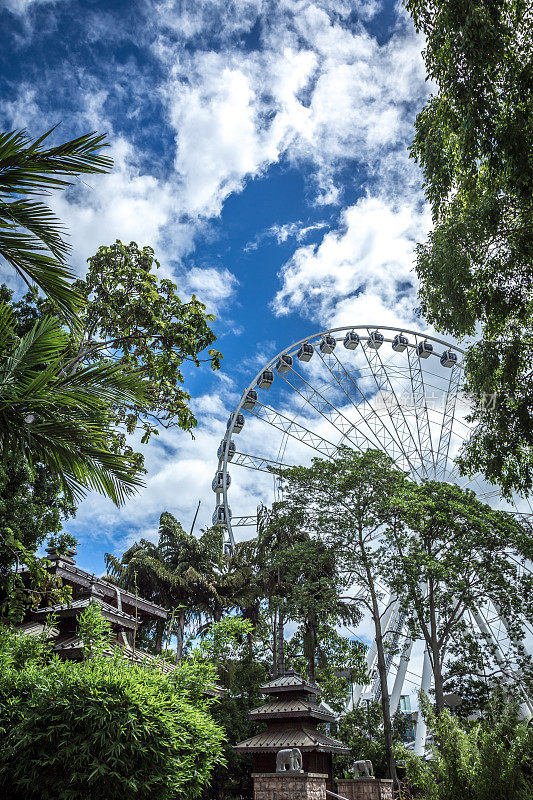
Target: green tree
<point>346,501</point>
<point>315,589</point>
<point>134,319</point>
<point>484,760</point>
<point>448,553</point>
<point>474,142</point>
<point>32,508</point>
<point>61,420</point>
<point>101,728</point>
<point>362,730</point>
<point>31,237</point>
<point>340,662</point>
<point>177,572</point>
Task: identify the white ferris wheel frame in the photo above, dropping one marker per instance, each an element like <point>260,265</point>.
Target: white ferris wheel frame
<point>401,446</point>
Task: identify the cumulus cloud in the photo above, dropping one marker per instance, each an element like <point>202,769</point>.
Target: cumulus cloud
<point>317,91</point>
<point>212,286</point>
<point>361,273</point>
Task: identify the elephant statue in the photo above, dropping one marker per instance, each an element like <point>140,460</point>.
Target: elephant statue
<point>289,760</point>
<point>363,769</point>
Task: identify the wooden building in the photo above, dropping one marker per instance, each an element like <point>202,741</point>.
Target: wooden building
<point>125,611</point>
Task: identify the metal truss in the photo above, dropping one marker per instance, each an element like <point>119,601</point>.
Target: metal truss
<point>294,429</point>
<point>395,409</point>
<point>441,462</point>
<point>427,456</point>
<point>382,436</point>
<point>327,410</point>
<point>256,462</point>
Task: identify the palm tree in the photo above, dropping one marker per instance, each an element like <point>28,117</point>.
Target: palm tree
<point>61,419</point>
<point>31,236</point>
<point>177,573</point>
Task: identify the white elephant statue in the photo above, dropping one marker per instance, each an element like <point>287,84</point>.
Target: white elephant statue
<point>363,769</point>
<point>289,760</point>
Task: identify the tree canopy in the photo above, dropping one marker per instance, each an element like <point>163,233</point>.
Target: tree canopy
<point>474,142</point>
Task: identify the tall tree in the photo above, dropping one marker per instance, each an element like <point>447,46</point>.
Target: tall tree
<point>31,236</point>
<point>134,319</point>
<point>449,553</point>
<point>346,501</point>
<point>177,573</point>
<point>474,142</point>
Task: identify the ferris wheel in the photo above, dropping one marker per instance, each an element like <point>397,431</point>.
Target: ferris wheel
<point>360,386</point>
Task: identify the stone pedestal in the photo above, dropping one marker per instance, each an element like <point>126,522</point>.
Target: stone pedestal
<point>365,788</point>
<point>289,786</point>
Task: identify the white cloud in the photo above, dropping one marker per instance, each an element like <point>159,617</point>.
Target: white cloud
<point>360,274</point>
<point>283,232</point>
<point>316,92</point>
<point>212,286</point>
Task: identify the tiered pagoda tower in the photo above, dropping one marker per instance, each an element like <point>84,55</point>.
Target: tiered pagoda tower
<point>292,715</point>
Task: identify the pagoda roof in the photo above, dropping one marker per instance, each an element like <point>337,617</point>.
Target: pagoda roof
<point>64,567</point>
<point>75,606</point>
<point>290,682</point>
<point>292,709</point>
<point>305,739</point>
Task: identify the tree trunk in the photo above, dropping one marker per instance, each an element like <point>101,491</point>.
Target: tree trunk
<point>382,669</point>
<point>311,655</point>
<point>275,644</point>
<point>180,636</point>
<point>159,631</point>
<point>435,651</point>
<point>281,644</point>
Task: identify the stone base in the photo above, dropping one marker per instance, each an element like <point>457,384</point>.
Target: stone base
<point>289,786</point>
<point>365,788</point>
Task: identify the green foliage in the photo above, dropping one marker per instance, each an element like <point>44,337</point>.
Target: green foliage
<point>340,662</point>
<point>31,236</point>
<point>242,681</point>
<point>102,728</point>
<point>474,142</point>
<point>58,418</point>
<point>362,730</point>
<point>484,760</point>
<point>32,507</point>
<point>448,553</point>
<point>94,631</point>
<point>135,317</point>
<point>179,573</point>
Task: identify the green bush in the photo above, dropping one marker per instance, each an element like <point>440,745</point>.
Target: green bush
<point>490,759</point>
<point>102,728</point>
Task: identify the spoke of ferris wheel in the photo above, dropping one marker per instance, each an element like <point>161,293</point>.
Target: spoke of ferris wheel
<point>401,673</point>
<point>383,436</point>
<point>394,408</point>
<point>256,462</point>
<point>418,390</point>
<point>326,410</point>
<point>294,429</point>
<point>447,423</point>
<point>371,654</point>
<point>244,522</point>
<point>499,655</point>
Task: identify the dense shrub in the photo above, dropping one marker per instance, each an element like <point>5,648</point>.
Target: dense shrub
<point>489,759</point>
<point>102,728</point>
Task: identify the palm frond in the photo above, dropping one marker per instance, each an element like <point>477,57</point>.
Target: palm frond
<point>61,420</point>
<point>31,236</point>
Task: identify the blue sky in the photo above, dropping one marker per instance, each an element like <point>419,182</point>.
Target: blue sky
<point>261,149</point>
